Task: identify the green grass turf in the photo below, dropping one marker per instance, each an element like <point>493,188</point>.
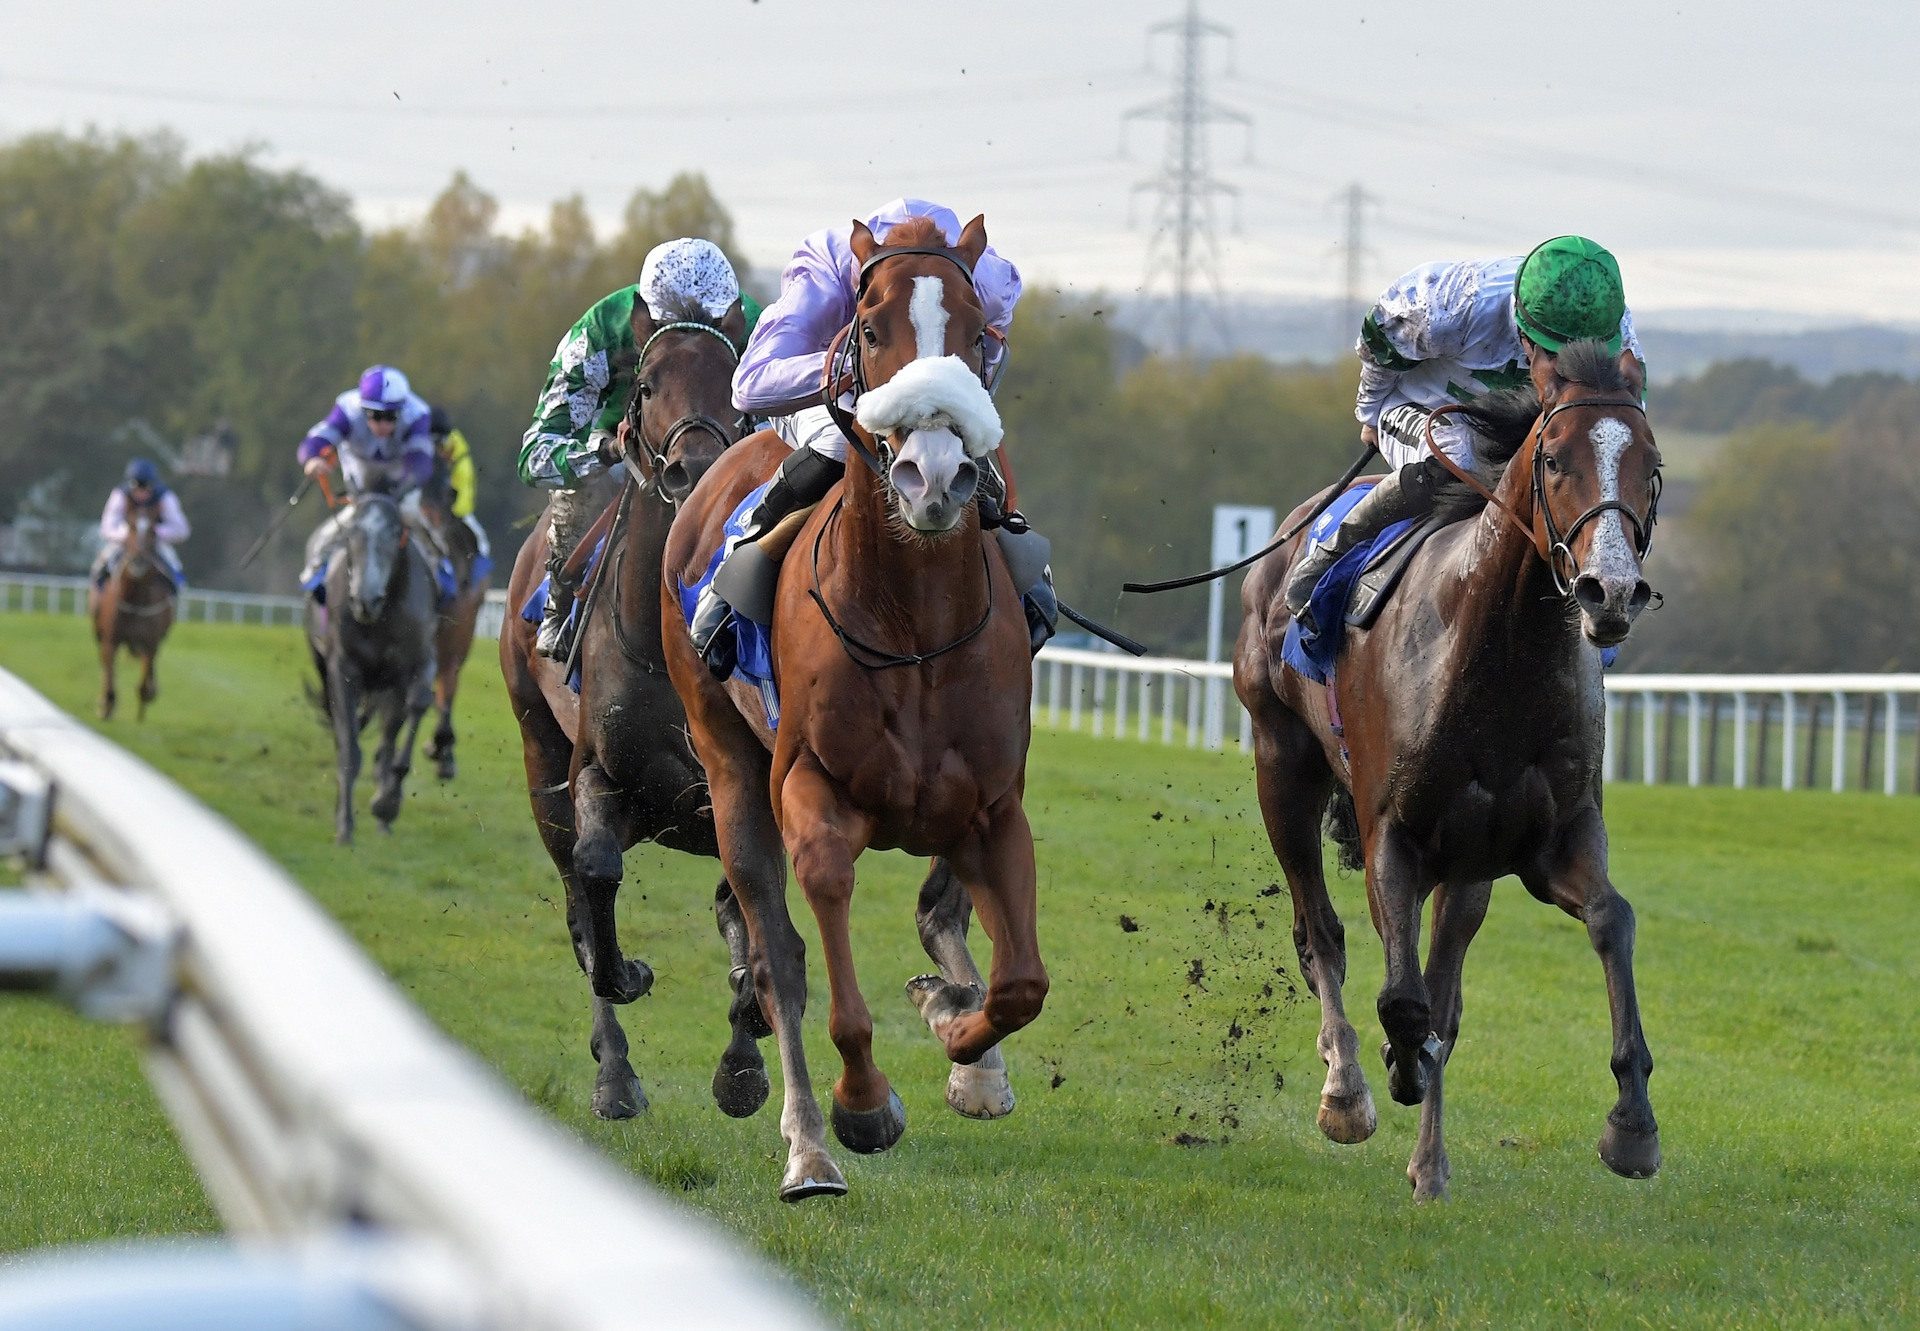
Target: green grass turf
<point>1777,938</point>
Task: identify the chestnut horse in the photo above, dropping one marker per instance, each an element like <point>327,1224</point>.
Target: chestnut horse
<point>134,610</point>
<point>453,637</point>
<point>1468,735</point>
<point>900,652</point>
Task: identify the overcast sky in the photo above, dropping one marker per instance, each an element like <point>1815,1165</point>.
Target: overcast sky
<point>1735,155</point>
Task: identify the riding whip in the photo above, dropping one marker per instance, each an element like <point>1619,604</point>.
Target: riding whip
<point>1326,502</point>
<point>293,502</point>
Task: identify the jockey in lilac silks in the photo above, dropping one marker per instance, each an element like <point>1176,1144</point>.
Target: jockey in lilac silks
<point>140,492</point>
<point>781,374</point>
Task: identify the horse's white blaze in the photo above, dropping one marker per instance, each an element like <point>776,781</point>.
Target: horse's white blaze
<point>928,310</point>
<point>1612,555</point>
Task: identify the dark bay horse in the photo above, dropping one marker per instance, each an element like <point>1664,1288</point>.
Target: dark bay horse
<point>134,610</point>
<point>611,767</point>
<point>900,651</point>
<point>1474,719</point>
<point>372,644</point>
<point>453,636</point>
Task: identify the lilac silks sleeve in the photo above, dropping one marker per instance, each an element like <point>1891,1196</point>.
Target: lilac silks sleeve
<point>327,434</point>
<point>173,526</point>
<point>780,371</point>
<point>416,452</point>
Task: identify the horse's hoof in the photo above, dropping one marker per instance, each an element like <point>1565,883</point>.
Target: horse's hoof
<point>1408,1088</point>
<point>447,769</point>
<point>870,1131</point>
<point>619,1097</point>
<point>739,1092</point>
<point>980,1090</point>
<point>1630,1154</point>
<point>940,1001</point>
<point>1348,1119</point>
<point>812,1174</point>
<point>746,1015</point>
<point>386,808</point>
<point>343,837</point>
<point>1430,1186</point>
<point>632,980</point>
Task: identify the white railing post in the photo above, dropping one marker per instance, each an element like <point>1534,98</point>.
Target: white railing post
<point>1839,741</point>
<point>1609,742</point>
<point>1786,741</point>
<point>1055,675</point>
<point>1073,699</point>
<point>1693,738</point>
<point>1193,711</point>
<point>1167,682</point>
<point>1146,683</point>
<point>1649,766</point>
<point>1893,743</point>
<point>1740,740</point>
<point>1120,704</point>
<point>1246,727</point>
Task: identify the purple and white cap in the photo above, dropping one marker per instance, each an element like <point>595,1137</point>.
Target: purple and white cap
<point>688,269</point>
<point>383,388</point>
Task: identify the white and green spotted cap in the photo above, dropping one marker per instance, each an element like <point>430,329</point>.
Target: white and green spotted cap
<point>688,270</point>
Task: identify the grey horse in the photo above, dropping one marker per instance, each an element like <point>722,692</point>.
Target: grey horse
<point>371,632</point>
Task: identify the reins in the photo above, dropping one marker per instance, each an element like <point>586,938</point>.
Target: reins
<point>882,658</point>
<point>637,408</point>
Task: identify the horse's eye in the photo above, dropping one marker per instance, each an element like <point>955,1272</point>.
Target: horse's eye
<point>1551,463</point>
<point>868,333</point>
<point>646,389</point>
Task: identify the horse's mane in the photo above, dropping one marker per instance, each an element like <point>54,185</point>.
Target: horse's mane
<point>1504,419</point>
<point>916,231</point>
<point>676,307</point>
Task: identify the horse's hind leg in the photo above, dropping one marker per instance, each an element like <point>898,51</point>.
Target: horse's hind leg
<point>1577,882</point>
<point>343,693</point>
<point>441,749</point>
<point>1457,914</point>
<point>108,696</point>
<point>740,1082</point>
<point>396,751</point>
<point>978,1090</point>
<point>1294,781</point>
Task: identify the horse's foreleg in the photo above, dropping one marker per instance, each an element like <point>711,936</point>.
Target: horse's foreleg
<point>1457,914</point>
<point>750,850</point>
<point>997,869</point>
<point>1294,782</point>
<point>441,749</point>
<point>823,838</point>
<point>1577,882</point>
<point>980,1090</point>
<point>602,815</point>
<point>149,682</point>
<point>343,694</point>
<point>109,649</point>
<point>740,1082</point>
<point>1395,883</point>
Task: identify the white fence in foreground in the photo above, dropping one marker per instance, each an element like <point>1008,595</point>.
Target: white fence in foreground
<point>322,1110</point>
<point>1840,732</point>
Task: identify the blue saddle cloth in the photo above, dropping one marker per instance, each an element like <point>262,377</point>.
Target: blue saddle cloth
<point>446,583</point>
<point>1313,648</point>
<point>753,643</point>
<point>535,607</point>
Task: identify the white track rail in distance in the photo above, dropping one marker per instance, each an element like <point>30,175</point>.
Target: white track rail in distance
<point>317,1101</point>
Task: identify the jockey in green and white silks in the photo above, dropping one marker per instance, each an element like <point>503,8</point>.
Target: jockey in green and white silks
<point>588,383</point>
<point>1453,333</point>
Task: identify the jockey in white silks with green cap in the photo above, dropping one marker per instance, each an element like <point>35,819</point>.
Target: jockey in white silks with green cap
<point>1453,333</point>
<point>588,383</point>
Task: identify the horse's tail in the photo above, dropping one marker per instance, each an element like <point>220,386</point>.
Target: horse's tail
<point>1343,828</point>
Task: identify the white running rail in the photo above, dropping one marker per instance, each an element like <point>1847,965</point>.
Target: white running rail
<point>325,1114</point>
<point>1738,730</point>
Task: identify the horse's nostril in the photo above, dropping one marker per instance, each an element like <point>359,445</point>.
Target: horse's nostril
<point>675,480</point>
<point>1588,591</point>
<point>1642,594</point>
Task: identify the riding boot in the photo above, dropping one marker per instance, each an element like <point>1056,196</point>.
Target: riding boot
<point>1026,552</point>
<point>570,513</point>
<point>803,479</point>
<point>1407,493</point>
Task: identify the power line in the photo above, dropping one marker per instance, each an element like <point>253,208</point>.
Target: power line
<point>1186,186</point>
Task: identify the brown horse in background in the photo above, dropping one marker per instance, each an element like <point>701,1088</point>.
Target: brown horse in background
<point>453,637</point>
<point>134,610</point>
<point>901,655</point>
<point>1474,723</point>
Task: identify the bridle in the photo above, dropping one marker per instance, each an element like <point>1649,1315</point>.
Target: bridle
<point>649,479</point>
<point>846,359</point>
<point>1553,545</point>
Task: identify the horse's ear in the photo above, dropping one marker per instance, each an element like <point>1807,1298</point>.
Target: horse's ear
<point>1544,370</point>
<point>862,242</point>
<point>1634,371</point>
<point>734,324</point>
<point>973,239</point>
<point>642,321</point>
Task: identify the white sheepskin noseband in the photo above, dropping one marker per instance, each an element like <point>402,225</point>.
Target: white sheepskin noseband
<point>930,393</point>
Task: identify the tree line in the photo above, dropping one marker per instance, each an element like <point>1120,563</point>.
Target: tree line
<point>152,300</point>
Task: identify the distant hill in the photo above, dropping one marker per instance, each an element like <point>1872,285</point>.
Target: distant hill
<point>1678,344</point>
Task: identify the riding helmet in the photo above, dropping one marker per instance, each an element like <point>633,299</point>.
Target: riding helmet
<point>1567,290</point>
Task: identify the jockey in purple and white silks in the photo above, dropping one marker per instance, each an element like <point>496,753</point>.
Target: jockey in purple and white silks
<point>140,491</point>
<point>1453,333</point>
<point>783,368</point>
<point>379,434</point>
